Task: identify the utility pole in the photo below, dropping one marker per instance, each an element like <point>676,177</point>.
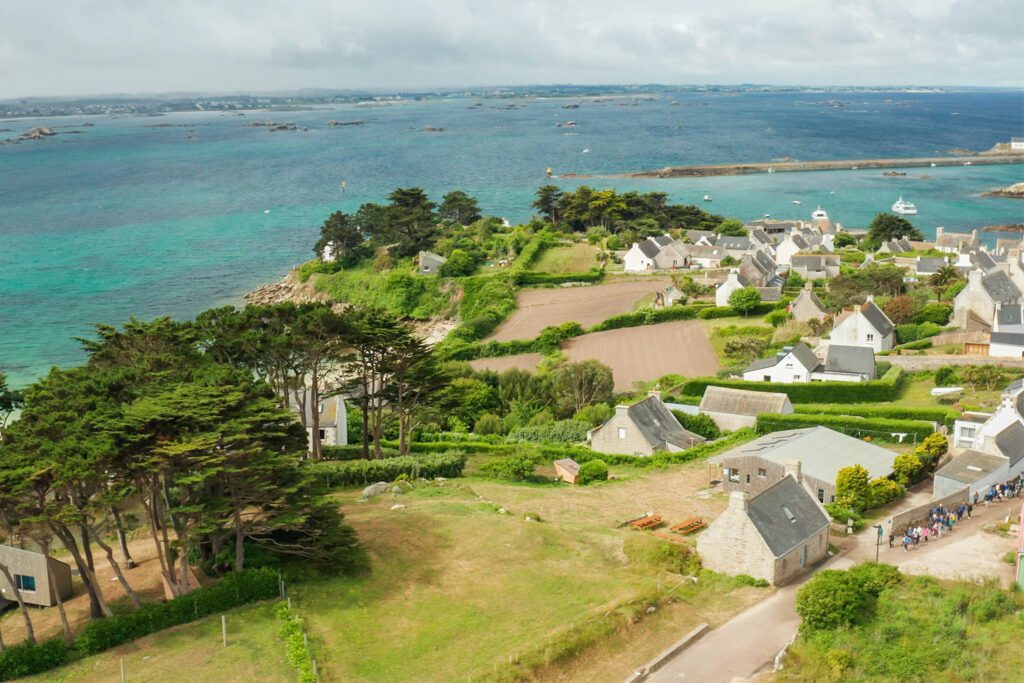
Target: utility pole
<point>878,541</point>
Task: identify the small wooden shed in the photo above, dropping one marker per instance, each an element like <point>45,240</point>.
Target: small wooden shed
<point>568,470</point>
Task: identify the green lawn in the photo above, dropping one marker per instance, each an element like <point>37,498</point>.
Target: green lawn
<point>578,257</point>
<point>192,652</point>
<point>915,392</point>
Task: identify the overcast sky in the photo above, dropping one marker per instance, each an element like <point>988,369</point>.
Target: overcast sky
<point>75,47</point>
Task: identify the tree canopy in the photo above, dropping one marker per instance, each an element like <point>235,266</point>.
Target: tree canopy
<point>885,227</point>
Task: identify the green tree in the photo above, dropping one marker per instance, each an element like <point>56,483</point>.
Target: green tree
<point>459,264</point>
<point>731,227</point>
<point>459,207</point>
<point>575,385</point>
<point>547,202</point>
<point>906,467</point>
<point>945,276</point>
<point>745,300</point>
<point>885,227</point>
<point>593,470</point>
<point>410,220</point>
<point>852,487</point>
<point>830,600</point>
<point>698,424</point>
<point>10,401</point>
<point>343,236</point>
<point>844,239</point>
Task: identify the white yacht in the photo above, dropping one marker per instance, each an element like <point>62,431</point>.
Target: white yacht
<point>904,208</point>
<point>707,198</point>
<point>819,214</point>
<point>796,201</point>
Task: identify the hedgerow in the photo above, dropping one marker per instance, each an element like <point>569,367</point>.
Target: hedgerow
<point>877,428</point>
<point>564,431</point>
<point>296,648</point>
<point>938,414</point>
<point>876,391</point>
<point>357,472</point>
<point>26,659</point>
<point>531,277</point>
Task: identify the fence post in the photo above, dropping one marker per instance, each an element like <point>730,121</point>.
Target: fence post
<point>123,676</point>
<point>224,628</point>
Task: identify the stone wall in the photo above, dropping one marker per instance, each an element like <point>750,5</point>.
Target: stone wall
<point>732,545</point>
<point>605,439</point>
<point>897,523</point>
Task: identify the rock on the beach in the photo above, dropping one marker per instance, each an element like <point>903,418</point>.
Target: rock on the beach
<point>381,487</point>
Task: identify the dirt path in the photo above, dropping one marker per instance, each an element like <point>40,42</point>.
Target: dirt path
<point>540,308</point>
<point>638,354</point>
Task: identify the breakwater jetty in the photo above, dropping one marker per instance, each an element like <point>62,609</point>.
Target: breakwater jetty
<point>794,166</point>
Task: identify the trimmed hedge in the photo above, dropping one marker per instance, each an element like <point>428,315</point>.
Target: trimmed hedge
<point>938,414</point>
<point>295,645</point>
<point>562,431</point>
<point>358,472</point>
<point>235,589</point>
<point>876,391</point>
<point>26,659</point>
<point>531,277</point>
<point>582,454</point>
<point>877,428</point>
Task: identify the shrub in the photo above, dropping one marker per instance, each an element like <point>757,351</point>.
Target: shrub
<point>595,414</point>
<point>593,470</point>
<point>235,589</point>
<point>566,431</point>
<point>698,424</point>
<point>934,313</point>
<point>290,631</point>
<point>646,552</point>
<point>906,467</point>
<point>875,578</point>
<point>945,376</point>
<point>912,332</point>
<point>488,424</point>
<point>778,317</point>
<point>877,391</point>
<point>360,472</point>
<point>510,468</point>
<point>842,515</point>
<point>882,491</point>
<point>459,264</point>
<point>26,659</point>
<point>831,599</point>
<point>748,580</point>
<point>876,427</point>
<point>852,487</point>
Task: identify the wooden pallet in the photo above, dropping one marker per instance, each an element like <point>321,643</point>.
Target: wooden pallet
<point>688,525</point>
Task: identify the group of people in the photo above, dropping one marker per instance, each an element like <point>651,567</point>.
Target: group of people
<point>1004,491</point>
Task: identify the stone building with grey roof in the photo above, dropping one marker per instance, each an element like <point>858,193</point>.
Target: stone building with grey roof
<point>984,293</point>
<point>864,325</point>
<point>807,306</point>
<point>774,535</point>
<point>430,263</point>
<point>735,408</point>
<point>642,429</point>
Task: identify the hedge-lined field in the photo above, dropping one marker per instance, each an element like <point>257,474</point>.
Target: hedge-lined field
<point>877,428</point>
<point>876,391</point>
<point>358,472</point>
<point>938,414</point>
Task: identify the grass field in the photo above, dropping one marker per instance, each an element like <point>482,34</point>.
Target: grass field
<point>578,257</point>
<point>457,589</point>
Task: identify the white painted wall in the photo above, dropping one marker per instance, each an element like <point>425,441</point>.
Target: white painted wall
<point>635,261</point>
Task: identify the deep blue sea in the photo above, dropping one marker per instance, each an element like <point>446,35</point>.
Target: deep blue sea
<point>126,218</point>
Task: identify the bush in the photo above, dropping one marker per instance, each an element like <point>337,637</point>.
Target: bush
<point>842,515</point>
<point>593,470</point>
<point>831,599</point>
<point>488,424</point>
<point>938,414</point>
<point>877,391</point>
<point>510,468</point>
<point>934,313</point>
<point>565,431</point>
<point>698,424</point>
<point>595,414</point>
<point>778,317</point>
<point>26,659</point>
<point>459,264</point>
<point>534,278</point>
<point>360,472</point>
<point>875,578</point>
<point>235,589</point>
<point>882,491</point>
<point>650,553</point>
<point>295,645</point>
<point>945,376</point>
<point>879,429</point>
<point>906,467</point>
<point>852,487</point>
<point>911,332</point>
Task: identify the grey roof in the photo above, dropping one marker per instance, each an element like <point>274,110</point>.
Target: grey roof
<point>772,226</point>
<point>772,293</point>
<point>929,264</point>
<point>759,235</point>
<point>1014,386</point>
<point>821,451</point>
<point>703,251</point>
<point>695,235</point>
<point>1009,315</point>
<point>814,261</point>
<point>1000,287</point>
<point>1010,442</point>
<point>762,261</point>
<point>741,401</point>
<point>733,242</point>
<point>800,241</point>
<point>879,320</point>
<point>970,466</point>
<point>763,363</point>
<point>1008,338</point>
<point>662,240</point>
<point>569,465</point>
<point>858,360</point>
<point>900,246</point>
<point>659,427</point>
<point>649,249</point>
<point>810,296</point>
<point>982,260</point>
<point>431,257</point>
<point>954,239</point>
<point>786,515</point>
<point>804,354</point>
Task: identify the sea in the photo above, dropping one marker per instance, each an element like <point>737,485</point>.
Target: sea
<point>120,216</point>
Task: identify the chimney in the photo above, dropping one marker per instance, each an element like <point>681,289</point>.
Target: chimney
<point>621,409</point>
<point>793,469</point>
<point>739,500</point>
<point>938,232</point>
<point>974,278</point>
<point>870,299</point>
<point>974,235</point>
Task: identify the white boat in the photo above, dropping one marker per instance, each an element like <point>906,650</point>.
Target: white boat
<point>904,208</point>
<point>819,214</point>
<point>933,164</point>
<point>586,150</point>
<point>796,201</point>
<point>967,163</point>
<point>707,198</point>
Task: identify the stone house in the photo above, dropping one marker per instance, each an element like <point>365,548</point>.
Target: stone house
<point>953,242</point>
<point>430,263</point>
<point>333,422</point>
<point>900,246</point>
<point>864,325</point>
<point>706,256</point>
<point>735,245</point>
<point>756,465</point>
<point>982,295</point>
<point>33,573</point>
<point>775,535</point>
<point>735,408</point>
<point>807,306</point>
<point>759,269</point>
<point>642,429</point>
<point>815,266</point>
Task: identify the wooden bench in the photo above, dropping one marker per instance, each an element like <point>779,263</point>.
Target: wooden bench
<point>688,525</point>
<point>648,522</point>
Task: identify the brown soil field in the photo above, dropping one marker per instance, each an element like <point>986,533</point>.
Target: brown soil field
<point>540,308</point>
<point>637,354</point>
<point>522,361</point>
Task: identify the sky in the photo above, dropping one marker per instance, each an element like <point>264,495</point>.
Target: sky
<point>81,47</point>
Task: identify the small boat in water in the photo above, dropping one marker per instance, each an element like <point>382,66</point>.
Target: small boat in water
<point>795,201</point>
<point>707,198</point>
<point>904,208</point>
<point>586,150</point>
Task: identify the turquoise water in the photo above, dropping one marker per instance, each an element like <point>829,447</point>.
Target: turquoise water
<point>130,219</point>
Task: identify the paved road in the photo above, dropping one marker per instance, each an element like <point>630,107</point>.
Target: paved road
<point>749,642</point>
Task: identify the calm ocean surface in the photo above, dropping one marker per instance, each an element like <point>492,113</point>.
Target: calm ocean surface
<point>127,218</point>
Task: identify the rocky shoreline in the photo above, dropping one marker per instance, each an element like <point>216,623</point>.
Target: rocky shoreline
<point>1015,191</point>
<point>289,289</point>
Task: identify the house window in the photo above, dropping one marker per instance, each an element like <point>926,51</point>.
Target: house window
<point>622,432</point>
<point>789,366</point>
<point>25,583</point>
<point>967,432</point>
<point>767,378</point>
<point>322,434</point>
<point>748,478</point>
<point>831,499</point>
<point>871,337</point>
<point>762,472</point>
<point>734,475</point>
<point>821,495</point>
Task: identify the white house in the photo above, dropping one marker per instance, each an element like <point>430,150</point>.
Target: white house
<point>1017,144</point>
<point>793,244</point>
<point>724,291</point>
<point>953,242</point>
<point>864,325</point>
<point>333,418</point>
<point>794,364</point>
<point>640,257</point>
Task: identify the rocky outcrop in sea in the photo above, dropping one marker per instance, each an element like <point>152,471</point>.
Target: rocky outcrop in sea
<point>1015,191</point>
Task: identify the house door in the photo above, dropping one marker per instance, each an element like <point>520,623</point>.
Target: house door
<point>803,556</point>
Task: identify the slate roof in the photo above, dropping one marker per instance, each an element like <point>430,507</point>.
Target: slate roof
<point>1010,442</point>
<point>648,248</point>
<point>786,515</point>
<point>695,235</point>
<point>1014,386</point>
<point>821,451</point>
<point>800,241</point>
<point>877,318</point>
<point>807,294</point>
<point>772,293</point>
<point>858,360</point>
<point>929,264</point>
<point>702,251</point>
<point>741,402</point>
<point>899,246</point>
<point>970,466</point>
<point>954,239</point>
<point>1000,287</point>
<point>430,258</point>
<point>982,260</point>
<point>733,242</point>
<point>814,261</point>
<point>1004,244</point>
<point>659,427</point>
<point>1008,338</point>
<point>760,236</point>
<point>662,240</point>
